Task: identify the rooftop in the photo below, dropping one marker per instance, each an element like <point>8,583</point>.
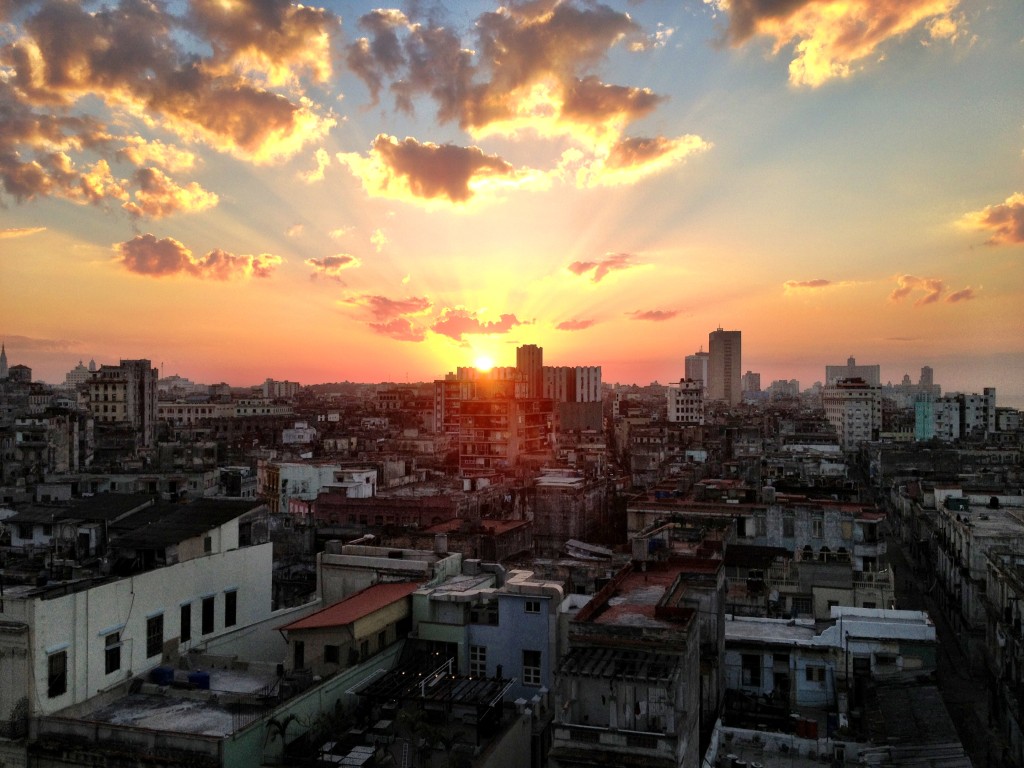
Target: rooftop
<point>355,607</point>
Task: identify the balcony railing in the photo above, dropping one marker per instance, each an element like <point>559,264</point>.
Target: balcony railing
<point>641,742</point>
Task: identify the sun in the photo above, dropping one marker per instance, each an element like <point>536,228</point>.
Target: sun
<point>483,363</point>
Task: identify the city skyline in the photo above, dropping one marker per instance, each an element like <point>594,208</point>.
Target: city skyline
<point>338,192</point>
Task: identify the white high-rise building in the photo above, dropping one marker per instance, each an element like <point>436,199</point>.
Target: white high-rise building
<point>686,402</point>
<point>854,408</point>
<point>724,366</point>
<point>696,367</point>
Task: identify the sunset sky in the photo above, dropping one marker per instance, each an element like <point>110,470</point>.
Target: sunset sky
<point>243,189</point>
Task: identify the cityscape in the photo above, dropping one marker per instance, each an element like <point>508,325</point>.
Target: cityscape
<point>510,565</point>
<point>538,384</point>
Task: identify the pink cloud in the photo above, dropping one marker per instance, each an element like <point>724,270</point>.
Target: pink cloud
<point>575,325</point>
<point>455,323</point>
<point>655,315</point>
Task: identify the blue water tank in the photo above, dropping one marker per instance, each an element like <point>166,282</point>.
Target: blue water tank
<point>199,679</point>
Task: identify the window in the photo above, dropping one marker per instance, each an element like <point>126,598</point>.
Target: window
<point>208,544</point>
<point>802,605</point>
<point>112,652</point>
<point>382,639</point>
<point>230,608</point>
<point>364,649</point>
<point>186,622</point>
<point>208,615</point>
<point>332,654</point>
<point>760,525</point>
<point>815,674</point>
<point>56,674</point>
<point>788,526</point>
<point>817,527</point>
<point>478,661</point>
<point>531,667</point>
<point>533,606</point>
<point>751,670</point>
<point>154,635</point>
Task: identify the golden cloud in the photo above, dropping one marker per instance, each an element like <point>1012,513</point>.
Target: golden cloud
<point>159,196</point>
<point>831,38</point>
<point>1004,220</point>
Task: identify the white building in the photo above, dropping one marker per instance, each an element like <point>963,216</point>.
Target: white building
<point>686,402</point>
<point>696,367</point>
<point>64,643</point>
<point>872,374</point>
<point>854,408</point>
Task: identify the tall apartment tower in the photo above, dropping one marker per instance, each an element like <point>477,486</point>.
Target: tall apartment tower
<point>3,361</point>
<point>724,366</point>
<point>126,394</point>
<point>697,367</point>
<point>530,363</point>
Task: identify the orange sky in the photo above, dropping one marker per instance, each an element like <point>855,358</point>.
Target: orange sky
<point>239,191</point>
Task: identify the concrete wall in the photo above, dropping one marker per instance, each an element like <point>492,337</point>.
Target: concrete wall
<point>78,624</point>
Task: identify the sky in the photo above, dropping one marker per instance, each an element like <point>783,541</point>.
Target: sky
<point>244,189</point>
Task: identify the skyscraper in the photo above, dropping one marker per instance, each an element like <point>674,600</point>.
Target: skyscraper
<point>697,367</point>
<point>530,363</point>
<point>724,366</point>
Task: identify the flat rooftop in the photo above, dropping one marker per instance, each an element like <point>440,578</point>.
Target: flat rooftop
<point>210,713</point>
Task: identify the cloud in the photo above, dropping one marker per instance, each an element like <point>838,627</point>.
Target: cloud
<point>378,239</point>
<point>383,308</point>
<point>275,38</point>
<point>791,285</point>
<point>401,329</point>
<point>964,294</point>
<point>1004,220</point>
<point>323,160</point>
<point>932,287</point>
<point>158,196</point>
<point>611,263</point>
<point>832,38</point>
<point>12,232</point>
<point>295,230</point>
<point>455,322</point>
<point>340,232</point>
<point>575,325</point>
<point>655,315</point>
<point>331,267</point>
<point>147,255</point>
<point>628,160</point>
<point>410,170</point>
<point>138,151</point>
<point>144,63</point>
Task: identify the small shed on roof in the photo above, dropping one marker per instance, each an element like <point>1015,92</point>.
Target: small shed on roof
<point>351,630</point>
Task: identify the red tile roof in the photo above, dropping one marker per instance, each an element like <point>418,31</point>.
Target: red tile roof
<point>355,607</point>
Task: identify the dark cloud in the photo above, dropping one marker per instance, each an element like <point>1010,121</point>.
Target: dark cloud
<point>574,325</point>
<point>591,100</point>
<point>455,323</point>
<point>426,171</point>
<point>372,58</point>
<point>1005,221</point>
<point>655,315</point>
<point>147,255</point>
<point>331,267</point>
<point>600,269</point>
